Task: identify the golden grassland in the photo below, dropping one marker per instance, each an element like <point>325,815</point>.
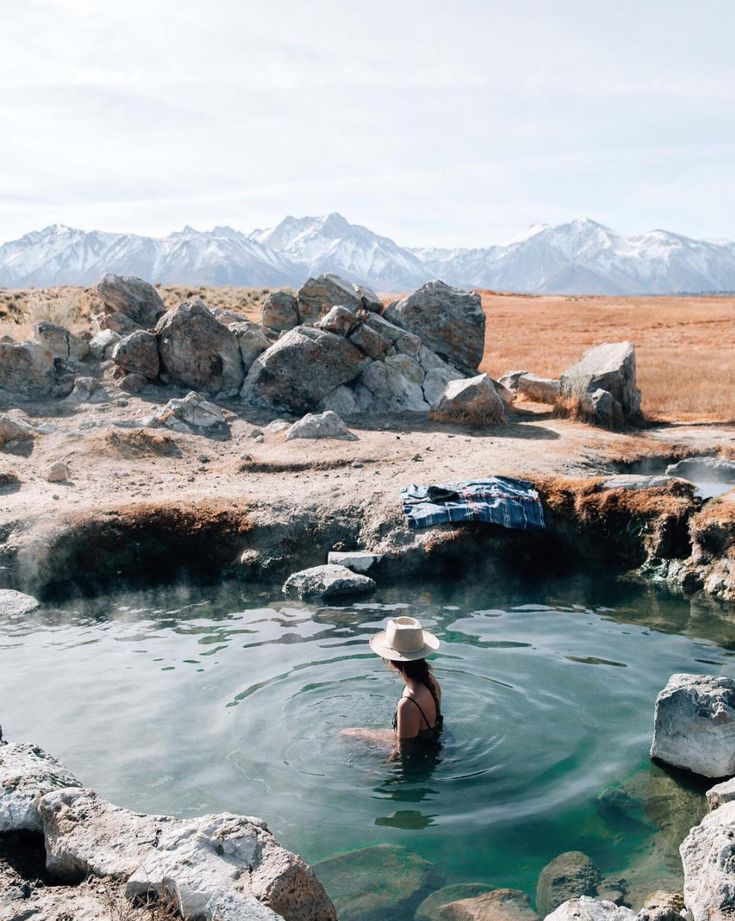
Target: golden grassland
<point>685,346</point>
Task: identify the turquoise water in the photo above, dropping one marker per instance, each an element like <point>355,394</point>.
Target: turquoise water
<point>187,700</point>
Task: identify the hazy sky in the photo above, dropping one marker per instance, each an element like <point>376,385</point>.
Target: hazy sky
<point>457,122</point>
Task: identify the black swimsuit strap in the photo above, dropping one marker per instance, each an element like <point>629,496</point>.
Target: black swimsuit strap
<point>413,700</point>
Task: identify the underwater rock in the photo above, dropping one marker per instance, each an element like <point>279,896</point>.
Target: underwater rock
<point>568,876</point>
<point>26,774</point>
<point>721,793</point>
<point>586,909</point>
<point>694,725</point>
<point>429,909</point>
<point>320,425</point>
<point>497,905</point>
<point>708,857</point>
<point>13,604</point>
<point>381,883</point>
<point>329,581</point>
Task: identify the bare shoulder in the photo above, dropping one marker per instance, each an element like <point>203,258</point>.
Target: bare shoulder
<point>437,688</point>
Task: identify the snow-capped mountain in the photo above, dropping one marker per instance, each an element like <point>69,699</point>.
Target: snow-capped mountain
<point>580,257</point>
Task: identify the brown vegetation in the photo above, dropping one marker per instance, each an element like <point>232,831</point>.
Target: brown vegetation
<point>136,443</point>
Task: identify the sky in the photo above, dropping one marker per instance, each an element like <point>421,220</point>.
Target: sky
<point>435,123</point>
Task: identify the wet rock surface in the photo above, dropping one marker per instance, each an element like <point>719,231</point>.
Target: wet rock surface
<point>430,909</point>
<point>27,772</point>
<point>328,581</point>
<point>14,603</point>
<point>568,876</point>
<point>497,905</point>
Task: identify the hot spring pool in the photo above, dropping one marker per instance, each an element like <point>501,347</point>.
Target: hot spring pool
<point>186,700</point>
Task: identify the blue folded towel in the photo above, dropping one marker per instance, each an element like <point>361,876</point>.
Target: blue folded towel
<point>498,500</point>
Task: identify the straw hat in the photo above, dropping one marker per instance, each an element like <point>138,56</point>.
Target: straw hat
<point>403,640</point>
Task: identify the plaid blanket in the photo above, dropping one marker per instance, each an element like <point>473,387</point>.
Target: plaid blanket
<point>498,500</point>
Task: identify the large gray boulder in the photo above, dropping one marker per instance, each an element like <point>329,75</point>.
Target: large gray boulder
<point>721,793</point>
<point>694,724</point>
<point>26,774</point>
<point>328,581</point>
<point>473,401</point>
<point>449,321</point>
<point>197,351</point>
<point>317,296</point>
<point>587,909</point>
<point>280,311</point>
<point>320,425</point>
<point>60,342</point>
<point>392,385</point>
<point>301,368</point>
<point>568,876</point>
<point>252,341</point>
<point>708,858</point>
<point>137,353</point>
<point>496,905</point>
<point>26,369</point>
<point>102,344</point>
<point>131,296</point>
<point>609,367</point>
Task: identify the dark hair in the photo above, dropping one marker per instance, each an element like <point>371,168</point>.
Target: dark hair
<point>418,670</point>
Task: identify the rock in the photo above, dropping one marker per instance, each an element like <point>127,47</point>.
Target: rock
<point>497,905</point>
<point>60,342</point>
<point>280,311</point>
<point>600,407</point>
<point>102,344</point>
<point>320,425</point>
<point>301,368</point>
<point>510,379</point>
<point>327,582</point>
<point>662,906</point>
<point>369,340</point>
<point>92,900</point>
<point>507,396</point>
<point>387,330</point>
<point>133,383</point>
<point>587,909</point>
<point>636,481</point>
<point>721,793</point>
<point>118,323</point>
<point>538,389</point>
<point>429,909</point>
<point>341,401</point>
<point>708,857</point>
<point>609,367</point>
<point>612,889</point>
<point>192,415</point>
<point>381,883</point>
<point>393,385</point>
<point>132,297</point>
<point>472,400</point>
<point>26,369</point>
<point>197,351</point>
<point>15,430</point>
<point>252,341</point>
<point>58,473</point>
<point>707,469</point>
<point>449,321</point>
<point>137,353</point>
<point>26,774</point>
<point>339,320</point>
<point>15,604</point>
<point>694,725</point>
<point>436,380</point>
<point>357,560</point>
<point>317,296</point>
<point>568,876</point>
<point>88,390</point>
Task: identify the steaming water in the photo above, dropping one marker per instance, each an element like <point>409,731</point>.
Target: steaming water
<point>189,701</point>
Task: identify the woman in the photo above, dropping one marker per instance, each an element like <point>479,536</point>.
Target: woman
<point>404,646</point>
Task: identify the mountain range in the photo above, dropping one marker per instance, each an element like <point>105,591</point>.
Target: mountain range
<point>579,257</point>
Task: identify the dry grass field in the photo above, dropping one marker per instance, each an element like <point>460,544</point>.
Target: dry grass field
<point>685,345</point>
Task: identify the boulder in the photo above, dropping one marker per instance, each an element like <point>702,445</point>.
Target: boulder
<point>609,367</point>
<point>429,909</point>
<point>510,379</point>
<point>197,351</point>
<point>373,343</point>
<point>26,369</point>
<point>60,342</point>
<point>587,909</point>
<point>538,389</point>
<point>568,876</point>
<point>600,407</point>
<point>357,560</point>
<point>330,581</point>
<point>118,323</point>
<point>137,353</point>
<point>192,415</point>
<point>15,604</point>
<point>708,858</point>
<point>497,905</point>
<point>341,400</point>
<point>134,383</point>
<point>473,401</point>
<point>636,481</point>
<point>58,473</point>
<point>721,793</point>
<point>252,341</point>
<point>280,311</point>
<point>320,425</point>
<point>704,469</point>
<point>339,320</point>
<point>88,390</point>
<point>449,321</point>
<point>132,297</point>
<point>15,430</point>
<point>102,344</point>
<point>662,906</point>
<point>317,296</point>
<point>386,882</point>
<point>92,900</point>
<point>694,724</point>
<point>26,774</point>
<point>393,385</point>
<point>301,368</point>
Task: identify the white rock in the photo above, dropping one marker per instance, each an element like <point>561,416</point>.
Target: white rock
<point>233,906</point>
<point>635,481</point>
<point>610,368</point>
<point>510,379</point>
<point>721,793</point>
<point>708,858</point>
<point>330,581</point>
<point>538,389</point>
<point>26,774</point>
<point>13,604</point>
<point>320,425</point>
<point>102,344</point>
<point>88,390</point>
<point>15,430</point>
<point>192,415</point>
<point>58,473</point>
<point>694,725</point>
<point>341,401</point>
<point>473,400</point>
<point>357,560</point>
<point>588,909</point>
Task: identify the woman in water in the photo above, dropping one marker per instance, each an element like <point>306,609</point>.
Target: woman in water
<point>404,646</point>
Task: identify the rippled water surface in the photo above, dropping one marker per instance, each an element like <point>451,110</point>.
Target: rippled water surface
<point>189,700</point>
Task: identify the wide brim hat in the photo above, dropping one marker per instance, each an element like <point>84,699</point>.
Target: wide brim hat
<point>404,640</point>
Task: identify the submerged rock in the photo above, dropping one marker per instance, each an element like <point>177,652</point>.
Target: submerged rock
<point>430,908</point>
<point>26,774</point>
<point>13,604</point>
<point>329,581</point>
<point>192,415</point>
<point>471,400</point>
<point>320,425</point>
<point>708,857</point>
<point>497,905</point>
<point>132,297</point>
<point>568,876</point>
<point>694,724</point>
<point>587,909</point>
<point>382,883</point>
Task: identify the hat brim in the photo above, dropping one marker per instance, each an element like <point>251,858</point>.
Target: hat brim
<point>381,648</point>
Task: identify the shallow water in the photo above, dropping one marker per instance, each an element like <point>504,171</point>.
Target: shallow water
<point>187,700</point>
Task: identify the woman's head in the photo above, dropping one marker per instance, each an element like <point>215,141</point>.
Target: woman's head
<point>417,670</point>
